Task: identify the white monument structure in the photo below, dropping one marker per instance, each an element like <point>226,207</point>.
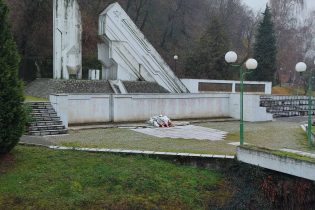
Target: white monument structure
<point>67,29</point>
<point>126,54</point>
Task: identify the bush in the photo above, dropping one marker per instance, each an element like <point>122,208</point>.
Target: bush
<point>12,113</point>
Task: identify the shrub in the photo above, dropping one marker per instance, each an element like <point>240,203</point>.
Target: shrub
<point>12,113</point>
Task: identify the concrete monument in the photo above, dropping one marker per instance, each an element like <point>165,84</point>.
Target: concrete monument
<point>126,54</point>
<point>67,29</point>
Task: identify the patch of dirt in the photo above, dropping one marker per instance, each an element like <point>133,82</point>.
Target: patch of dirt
<point>7,158</point>
<point>282,90</point>
<point>5,161</point>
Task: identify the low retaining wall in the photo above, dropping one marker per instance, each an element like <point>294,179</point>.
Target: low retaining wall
<point>287,165</point>
<point>175,106</point>
<point>100,108</point>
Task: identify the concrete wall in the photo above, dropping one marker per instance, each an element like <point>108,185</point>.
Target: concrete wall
<point>176,106</point>
<point>282,164</point>
<point>77,109</point>
<point>67,31</point>
<point>251,106</point>
<point>193,84</point>
<point>99,108</point>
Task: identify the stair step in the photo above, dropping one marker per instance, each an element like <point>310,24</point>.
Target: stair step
<point>48,132</point>
<point>47,127</point>
<point>39,102</point>
<point>43,110</point>
<point>41,106</point>
<point>45,123</point>
<point>44,114</point>
<point>38,118</point>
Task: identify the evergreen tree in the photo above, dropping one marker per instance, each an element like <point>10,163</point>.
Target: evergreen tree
<point>12,114</point>
<point>207,60</point>
<point>265,50</point>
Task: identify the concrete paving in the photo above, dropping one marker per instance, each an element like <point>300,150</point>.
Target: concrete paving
<point>121,125</point>
<point>185,132</point>
<point>36,140</point>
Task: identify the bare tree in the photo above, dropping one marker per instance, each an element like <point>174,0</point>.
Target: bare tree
<point>288,24</point>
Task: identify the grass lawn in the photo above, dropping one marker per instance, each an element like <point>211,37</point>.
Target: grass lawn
<point>127,139</point>
<point>38,178</point>
<point>272,135</point>
<point>34,99</point>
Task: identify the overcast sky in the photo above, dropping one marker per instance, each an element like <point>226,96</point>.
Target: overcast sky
<point>260,4</point>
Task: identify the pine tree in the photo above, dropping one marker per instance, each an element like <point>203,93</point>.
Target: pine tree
<point>207,60</point>
<point>12,114</point>
<point>265,50</point>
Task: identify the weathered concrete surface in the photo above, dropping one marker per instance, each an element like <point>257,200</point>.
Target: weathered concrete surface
<point>127,55</point>
<point>252,110</point>
<point>79,109</point>
<point>44,87</point>
<point>185,132</point>
<point>140,107</point>
<point>100,108</point>
<point>287,165</point>
<point>67,32</point>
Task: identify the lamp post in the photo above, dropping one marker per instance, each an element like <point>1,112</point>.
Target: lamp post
<point>301,67</point>
<point>251,64</point>
<point>175,61</point>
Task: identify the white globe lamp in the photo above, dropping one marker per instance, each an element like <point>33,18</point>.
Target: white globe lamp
<point>251,64</point>
<point>231,57</point>
<point>300,67</point>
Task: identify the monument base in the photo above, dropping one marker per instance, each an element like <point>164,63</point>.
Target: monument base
<point>44,87</point>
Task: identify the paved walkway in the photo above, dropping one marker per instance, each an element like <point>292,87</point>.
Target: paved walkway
<point>36,140</point>
<point>185,132</point>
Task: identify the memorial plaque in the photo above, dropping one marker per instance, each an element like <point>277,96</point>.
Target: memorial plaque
<point>251,88</point>
<point>214,87</point>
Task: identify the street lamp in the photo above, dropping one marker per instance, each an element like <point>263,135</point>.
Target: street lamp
<point>301,67</point>
<point>251,64</point>
<point>175,61</point>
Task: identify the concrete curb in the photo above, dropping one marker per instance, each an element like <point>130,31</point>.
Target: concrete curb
<point>141,152</point>
<point>134,152</point>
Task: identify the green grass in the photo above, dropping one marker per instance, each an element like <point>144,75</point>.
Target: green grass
<point>127,139</point>
<point>272,135</point>
<point>34,99</point>
<point>39,178</point>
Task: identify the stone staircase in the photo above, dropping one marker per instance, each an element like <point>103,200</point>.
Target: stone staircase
<point>44,120</point>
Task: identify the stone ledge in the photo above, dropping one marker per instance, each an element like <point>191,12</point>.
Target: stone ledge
<point>141,152</point>
<point>300,166</point>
